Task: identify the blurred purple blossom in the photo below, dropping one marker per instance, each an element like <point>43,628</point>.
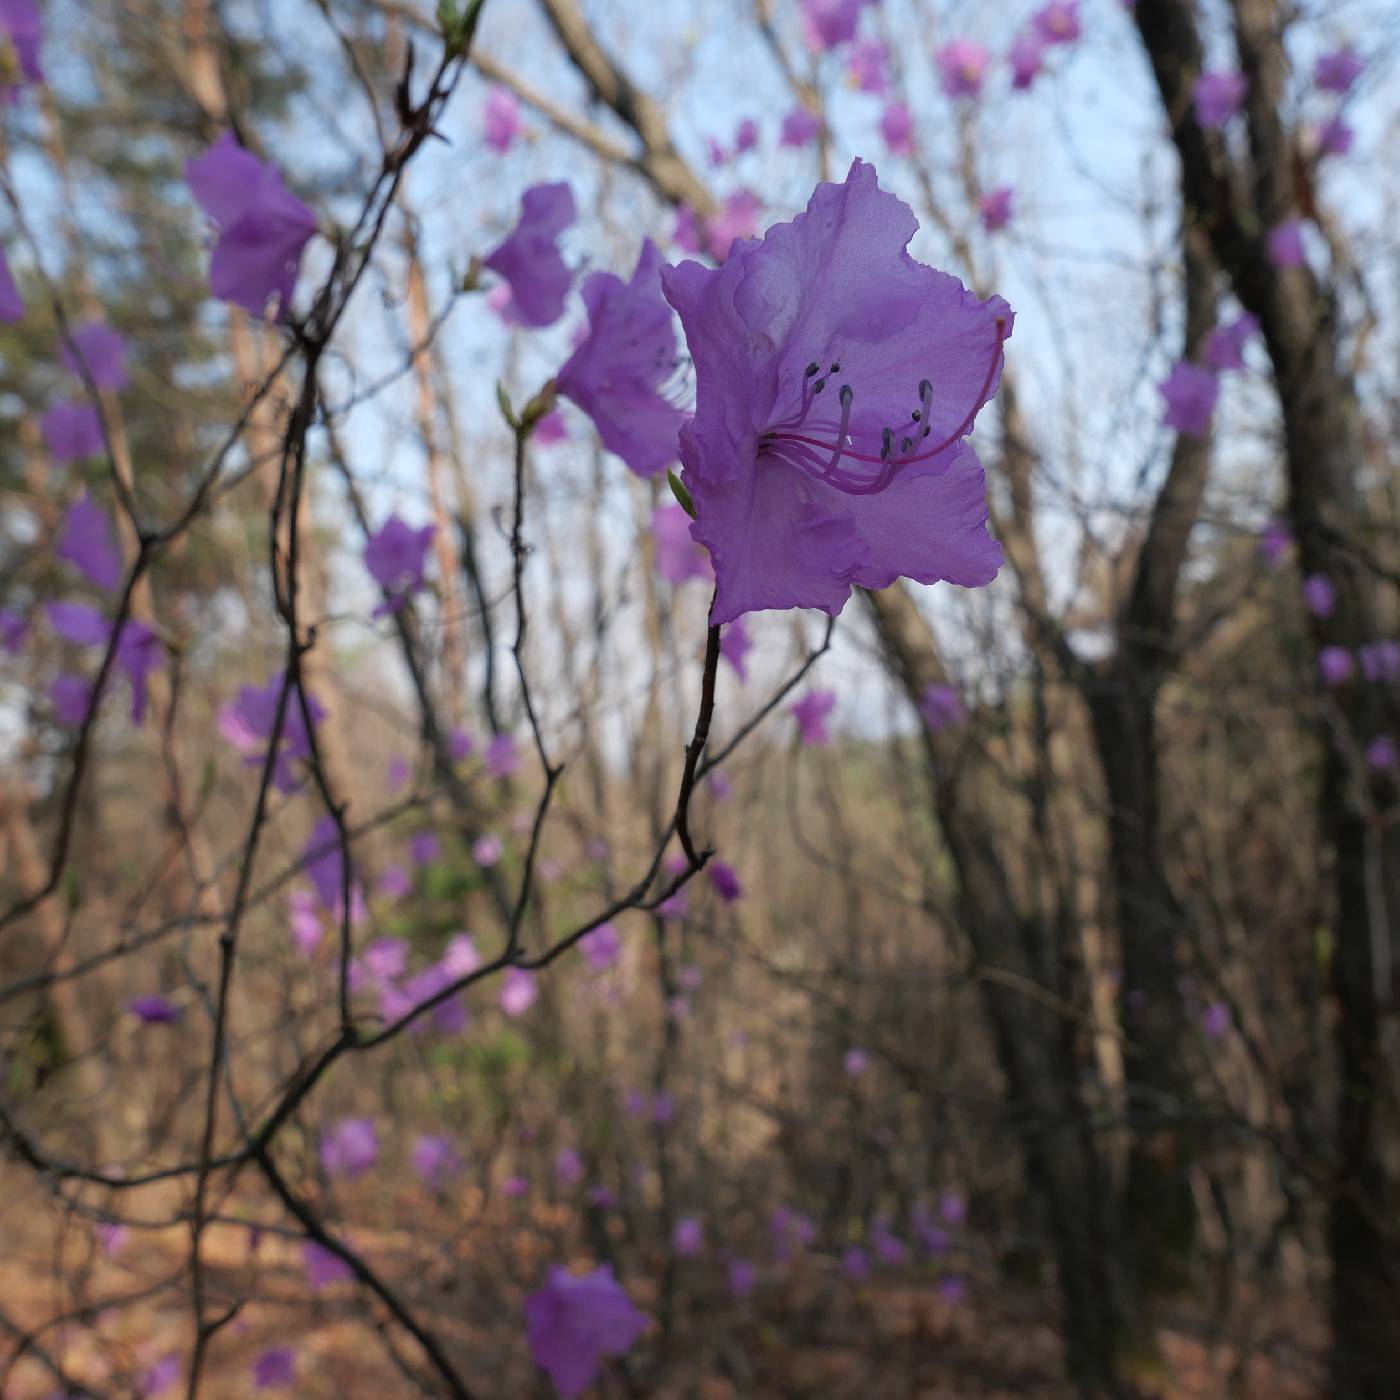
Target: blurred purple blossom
<point>263,227</point>
<point>1189,393</point>
<point>617,373</point>
<point>86,541</point>
<point>574,1322</point>
<point>100,351</point>
<point>529,258</point>
<point>73,432</point>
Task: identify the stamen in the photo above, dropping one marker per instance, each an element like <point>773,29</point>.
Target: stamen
<point>813,368</point>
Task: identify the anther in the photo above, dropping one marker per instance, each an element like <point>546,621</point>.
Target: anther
<point>836,367</point>
<point>887,444</point>
<point>813,368</point>
<point>819,386</point>
<point>916,415</point>
<point>906,444</point>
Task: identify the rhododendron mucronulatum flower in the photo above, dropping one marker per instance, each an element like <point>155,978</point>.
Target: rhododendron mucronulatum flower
<point>263,227</point>
<point>530,259</point>
<point>574,1322</point>
<point>835,381</point>
<point>616,373</point>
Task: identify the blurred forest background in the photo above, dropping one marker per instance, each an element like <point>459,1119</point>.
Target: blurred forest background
<point>1045,1042</point>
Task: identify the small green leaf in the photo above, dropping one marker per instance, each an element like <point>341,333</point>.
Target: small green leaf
<point>72,889</point>
<point>1324,946</point>
<point>681,494</point>
<point>507,412</point>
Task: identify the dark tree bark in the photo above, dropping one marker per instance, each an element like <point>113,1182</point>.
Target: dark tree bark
<point>1026,975</point>
<point>1237,204</point>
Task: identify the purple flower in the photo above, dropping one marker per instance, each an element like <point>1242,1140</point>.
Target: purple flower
<point>500,119</point>
<point>889,1247</point>
<point>663,1108</point>
<point>678,557</point>
<point>715,153</point>
<point>897,127</point>
<point>1190,393</point>
<point>952,1206</point>
<point>810,713</point>
<point>395,883</point>
<point>275,1369</point>
<point>1335,137</point>
<point>573,1322</point>
<point>73,431</point>
<point>952,1289</point>
<point>20,22</point>
<point>1058,22</point>
<point>1217,97</point>
<point>602,947</point>
<point>856,1062</point>
<point>734,646</point>
<point>601,1198</point>
<point>435,1160</point>
<point>742,1277</point>
<point>305,922</point>
<point>745,136</point>
<point>350,1148</point>
<point>995,208</point>
<point>568,1167</point>
<point>868,67</point>
<point>459,745</point>
<point>396,557</point>
<point>13,630</point>
<point>71,698</point>
<point>551,429</point>
<point>112,1238</point>
<point>1338,71</point>
<point>160,1377</point>
<point>487,850</point>
<point>86,542</point>
<point>502,756</point>
<point>1336,665</point>
<point>137,650</point>
<point>962,66</point>
<point>1026,56</point>
<point>828,23</point>
<point>737,218</point>
<point>99,351</point>
<point>1319,597</point>
<point>518,991</point>
<point>800,128</point>
<point>424,848</point>
<point>1380,661</point>
<point>325,863</point>
<point>1225,346</point>
<point>1381,753</point>
<point>263,227</point>
<point>616,373</point>
<point>942,708</point>
<point>530,260</point>
<point>688,1238</point>
<point>1215,1020</point>
<point>1285,244</point>
<point>248,720</point>
<point>398,773</point>
<point>725,879</point>
<point>460,958</point>
<point>11,303</point>
<point>1274,542</point>
<point>855,1264</point>
<point>515,1188</point>
<point>323,1266</point>
<point>155,1010</point>
<point>800,492</point>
